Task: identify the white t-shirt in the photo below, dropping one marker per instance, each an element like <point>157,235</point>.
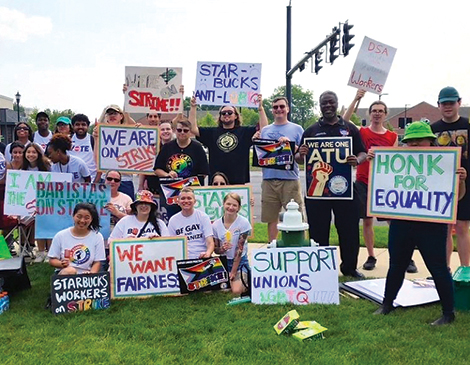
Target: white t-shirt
<point>42,141</point>
<point>84,251</point>
<point>82,148</point>
<point>130,227</point>
<point>197,227</point>
<point>239,226</point>
<point>122,203</point>
<point>75,166</point>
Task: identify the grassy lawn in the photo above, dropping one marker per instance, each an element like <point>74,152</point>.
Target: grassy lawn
<point>202,329</point>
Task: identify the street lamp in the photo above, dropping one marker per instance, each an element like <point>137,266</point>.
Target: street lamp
<point>380,95</point>
<point>18,97</point>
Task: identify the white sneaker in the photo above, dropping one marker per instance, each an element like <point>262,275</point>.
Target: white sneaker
<point>40,256</point>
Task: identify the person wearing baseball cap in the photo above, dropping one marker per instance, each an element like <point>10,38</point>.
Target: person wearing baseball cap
<point>454,130</point>
<point>64,125</point>
<point>43,135</point>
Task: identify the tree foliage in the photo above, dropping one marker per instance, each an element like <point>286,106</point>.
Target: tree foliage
<point>249,116</point>
<point>207,121</point>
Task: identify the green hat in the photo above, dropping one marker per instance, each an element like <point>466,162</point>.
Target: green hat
<point>65,120</point>
<point>417,130</point>
<point>448,93</point>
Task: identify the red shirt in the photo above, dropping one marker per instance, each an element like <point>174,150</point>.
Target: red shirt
<point>372,139</point>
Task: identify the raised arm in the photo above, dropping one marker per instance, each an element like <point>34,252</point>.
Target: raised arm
<point>354,105</point>
<point>193,117</point>
<point>263,119</point>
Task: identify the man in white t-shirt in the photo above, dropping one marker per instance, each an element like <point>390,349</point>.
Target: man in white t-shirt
<point>193,224</point>
<point>43,135</point>
<point>83,143</point>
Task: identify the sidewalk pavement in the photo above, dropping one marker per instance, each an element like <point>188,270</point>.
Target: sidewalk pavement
<point>381,254</point>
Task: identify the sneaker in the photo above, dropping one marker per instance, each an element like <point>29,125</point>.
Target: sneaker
<point>40,256</point>
<point>445,319</point>
<point>412,269</point>
<point>370,263</point>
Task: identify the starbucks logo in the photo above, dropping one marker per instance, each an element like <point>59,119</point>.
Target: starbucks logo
<point>227,142</point>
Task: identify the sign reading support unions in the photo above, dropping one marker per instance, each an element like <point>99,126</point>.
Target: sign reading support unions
<point>127,149</point>
<point>55,202</point>
<point>228,83</point>
<point>153,90</point>
<point>302,275</point>
<point>20,189</point>
<point>372,66</point>
<point>414,183</point>
<point>273,154</point>
<point>327,174</point>
<point>143,267</point>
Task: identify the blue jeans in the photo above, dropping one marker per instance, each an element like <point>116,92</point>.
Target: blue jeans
<point>243,265</point>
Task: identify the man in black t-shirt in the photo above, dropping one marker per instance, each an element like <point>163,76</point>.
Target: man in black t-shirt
<point>229,143</point>
<point>453,130</point>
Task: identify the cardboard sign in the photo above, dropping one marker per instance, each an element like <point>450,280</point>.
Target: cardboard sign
<point>171,187</point>
<point>273,154</point>
<point>153,90</point>
<point>55,202</point>
<point>203,275</point>
<point>20,189</point>
<point>127,149</point>
<point>302,275</point>
<point>78,293</point>
<point>144,267</point>
<point>372,66</point>
<point>228,83</point>
<point>327,174</point>
<point>414,183</point>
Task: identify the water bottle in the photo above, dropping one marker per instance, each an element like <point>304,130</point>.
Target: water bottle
<point>7,301</point>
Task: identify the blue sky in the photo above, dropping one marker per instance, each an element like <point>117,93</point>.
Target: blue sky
<point>71,54</point>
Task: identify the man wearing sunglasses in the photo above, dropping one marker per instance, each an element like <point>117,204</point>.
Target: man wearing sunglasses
<point>229,143</point>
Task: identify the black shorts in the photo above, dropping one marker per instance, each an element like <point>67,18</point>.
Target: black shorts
<point>360,195</point>
<point>463,206</point>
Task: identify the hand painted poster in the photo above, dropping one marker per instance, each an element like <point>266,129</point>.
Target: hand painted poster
<point>153,90</point>
<point>145,267</point>
<point>20,190</point>
<point>273,154</point>
<point>414,183</point>
<point>127,149</point>
<point>327,174</point>
<point>55,202</point>
<point>228,83</point>
<point>372,66</point>
<point>302,275</point>
<point>78,293</point>
<point>203,275</point>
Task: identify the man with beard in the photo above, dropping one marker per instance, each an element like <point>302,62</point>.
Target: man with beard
<point>43,135</point>
<point>83,143</point>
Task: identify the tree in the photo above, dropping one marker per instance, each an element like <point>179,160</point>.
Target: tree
<point>356,120</point>
<point>207,121</point>
<point>249,116</point>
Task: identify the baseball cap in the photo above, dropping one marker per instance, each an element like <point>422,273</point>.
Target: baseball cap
<point>417,130</point>
<point>65,120</point>
<point>114,107</point>
<point>448,93</point>
<point>42,114</point>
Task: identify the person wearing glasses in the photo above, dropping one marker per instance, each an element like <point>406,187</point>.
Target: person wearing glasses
<point>182,157</point>
<point>229,143</point>
<point>120,204</point>
<point>21,133</point>
<point>43,135</point>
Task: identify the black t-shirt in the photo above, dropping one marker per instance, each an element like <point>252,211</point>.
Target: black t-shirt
<point>186,162</point>
<point>229,151</point>
<point>452,135</point>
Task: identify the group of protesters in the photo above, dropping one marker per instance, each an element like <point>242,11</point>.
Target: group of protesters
<point>71,150</point>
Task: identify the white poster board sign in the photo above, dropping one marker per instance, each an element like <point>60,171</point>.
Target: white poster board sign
<point>298,275</point>
<point>372,66</point>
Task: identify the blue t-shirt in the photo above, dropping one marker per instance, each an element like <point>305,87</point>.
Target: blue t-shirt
<point>294,133</point>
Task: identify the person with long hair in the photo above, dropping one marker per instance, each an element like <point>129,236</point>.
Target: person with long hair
<point>79,249</point>
<point>34,159</point>
<point>21,133</point>
<point>16,152</point>
<point>219,178</point>
<point>143,220</point>
<point>230,238</point>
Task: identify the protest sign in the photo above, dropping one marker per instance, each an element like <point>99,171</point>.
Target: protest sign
<point>372,66</point>
<point>414,183</point>
<point>273,154</point>
<point>153,90</point>
<point>55,202</point>
<point>77,293</point>
<point>127,149</point>
<point>20,189</point>
<point>203,275</point>
<point>302,275</point>
<point>228,83</point>
<point>144,267</point>
<point>327,174</point>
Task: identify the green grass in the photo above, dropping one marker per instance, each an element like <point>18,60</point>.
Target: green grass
<point>202,329</point>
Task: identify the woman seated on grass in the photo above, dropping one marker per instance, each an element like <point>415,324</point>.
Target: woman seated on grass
<point>79,249</point>
<point>230,238</point>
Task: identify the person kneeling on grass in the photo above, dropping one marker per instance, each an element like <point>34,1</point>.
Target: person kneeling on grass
<point>230,237</point>
<point>79,249</point>
<point>429,237</point>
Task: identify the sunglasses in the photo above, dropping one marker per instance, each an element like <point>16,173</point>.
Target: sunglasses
<point>112,112</point>
<point>116,180</point>
<point>276,107</point>
<point>219,183</point>
<point>182,130</point>
<point>228,112</point>
<point>22,129</point>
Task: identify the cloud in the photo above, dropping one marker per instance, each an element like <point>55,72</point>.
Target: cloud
<point>17,26</point>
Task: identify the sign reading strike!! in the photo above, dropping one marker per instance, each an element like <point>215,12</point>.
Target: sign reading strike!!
<point>127,149</point>
<point>226,83</point>
<point>302,275</point>
<point>372,66</point>
<point>414,183</point>
<point>153,90</point>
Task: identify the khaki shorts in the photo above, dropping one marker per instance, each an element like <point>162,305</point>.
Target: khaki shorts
<point>275,194</point>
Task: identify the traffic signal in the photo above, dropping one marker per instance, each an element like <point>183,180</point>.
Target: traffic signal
<point>347,38</point>
<point>334,45</point>
<point>302,67</point>
<point>317,62</point>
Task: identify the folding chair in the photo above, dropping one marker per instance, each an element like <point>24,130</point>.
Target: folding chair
<point>24,240</point>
